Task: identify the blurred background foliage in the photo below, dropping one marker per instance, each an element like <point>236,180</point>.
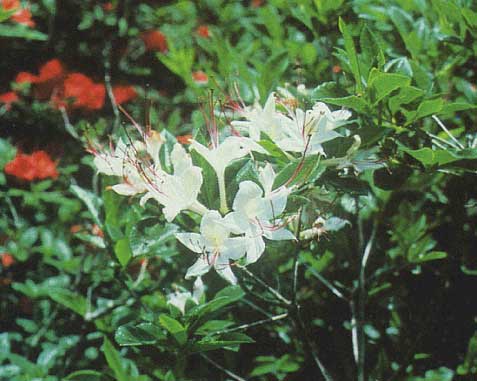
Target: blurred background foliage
<point>84,274</point>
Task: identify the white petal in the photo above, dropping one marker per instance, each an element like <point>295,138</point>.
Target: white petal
<point>200,267</point>
<point>192,241</point>
<point>247,200</point>
<point>234,248</point>
<point>198,290</point>
<point>125,189</point>
<point>267,177</point>
<point>224,270</point>
<point>255,248</point>
<point>280,235</point>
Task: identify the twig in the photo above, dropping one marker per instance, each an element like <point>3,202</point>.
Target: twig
<point>265,285</point>
<point>359,345</point>
<point>327,283</point>
<point>68,126</point>
<point>441,125</point>
<point>220,367</point>
<point>254,324</point>
<point>295,257</point>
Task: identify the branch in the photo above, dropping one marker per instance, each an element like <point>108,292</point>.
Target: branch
<point>220,367</point>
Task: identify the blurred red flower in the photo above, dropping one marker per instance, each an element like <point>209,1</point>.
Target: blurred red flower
<point>25,77</point>
<point>123,94</point>
<point>23,16</point>
<point>51,70</point>
<point>7,260</point>
<point>8,98</point>
<point>10,5</point>
<point>203,31</point>
<point>108,7</point>
<point>200,77</point>
<point>38,165</point>
<point>155,40</point>
<point>86,93</point>
<point>336,69</point>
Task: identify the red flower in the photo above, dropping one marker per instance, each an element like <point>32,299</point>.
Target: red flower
<point>336,69</point>
<point>25,77</point>
<point>44,166</point>
<point>123,94</point>
<point>38,165</point>
<point>108,7</point>
<point>257,3</point>
<point>10,5</point>
<point>7,260</point>
<point>155,40</point>
<point>86,93</point>
<point>8,98</point>
<point>203,31</point>
<point>184,139</point>
<point>51,70</point>
<point>21,167</point>
<point>200,77</point>
<point>23,16</point>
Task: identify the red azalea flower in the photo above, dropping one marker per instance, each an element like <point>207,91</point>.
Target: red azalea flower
<point>123,94</point>
<point>336,69</point>
<point>23,16</point>
<point>203,31</point>
<point>184,139</point>
<point>8,98</point>
<point>108,7</point>
<point>7,260</point>
<point>155,40</point>
<point>44,166</point>
<point>21,167</point>
<point>38,165</point>
<point>25,77</point>
<point>10,5</point>
<point>86,93</point>
<point>200,77</point>
<point>51,70</point>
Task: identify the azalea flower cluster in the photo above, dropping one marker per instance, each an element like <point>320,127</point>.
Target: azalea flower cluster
<point>66,89</point>
<point>36,166</point>
<point>20,15</point>
<point>234,234</point>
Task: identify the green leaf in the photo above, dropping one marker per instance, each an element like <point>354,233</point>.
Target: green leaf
<point>351,52</point>
<point>85,375</point>
<point>429,256</point>
<point>299,171</point>
<point>175,328</point>
<point>123,252</point>
<point>114,361</point>
<point>142,334</point>
<point>147,237</point>
<point>224,341</point>
<point>426,108</point>
<point>91,201</point>
<point>69,299</point>
<point>206,311</point>
<point>382,84</point>
<point>406,95</point>
<point>20,31</point>
<point>429,157</point>
<point>353,102</point>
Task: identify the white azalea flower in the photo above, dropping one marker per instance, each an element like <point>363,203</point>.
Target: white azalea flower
<point>308,130</point>
<point>215,246</point>
<point>221,156</point>
<point>178,191</point>
<point>255,213</point>
<point>179,299</point>
<point>259,119</point>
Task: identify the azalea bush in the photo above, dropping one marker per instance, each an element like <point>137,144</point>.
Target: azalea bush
<point>260,190</point>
